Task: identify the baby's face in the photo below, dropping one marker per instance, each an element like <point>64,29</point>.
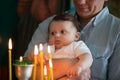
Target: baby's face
<point>62,33</point>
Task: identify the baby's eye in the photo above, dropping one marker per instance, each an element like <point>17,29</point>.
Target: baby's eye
<point>63,32</point>
<point>52,33</point>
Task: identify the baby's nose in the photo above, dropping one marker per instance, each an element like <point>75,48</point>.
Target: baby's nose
<point>57,34</point>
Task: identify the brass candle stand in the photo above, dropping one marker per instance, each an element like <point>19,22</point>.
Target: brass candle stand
<point>23,69</point>
<point>23,72</point>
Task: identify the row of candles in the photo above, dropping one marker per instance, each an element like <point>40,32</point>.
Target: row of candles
<point>43,68</point>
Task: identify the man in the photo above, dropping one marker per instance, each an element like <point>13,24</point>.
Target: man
<point>100,30</point>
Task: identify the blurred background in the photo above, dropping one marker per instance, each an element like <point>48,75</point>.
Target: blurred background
<point>20,18</point>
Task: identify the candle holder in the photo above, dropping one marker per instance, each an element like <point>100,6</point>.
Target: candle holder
<point>23,71</point>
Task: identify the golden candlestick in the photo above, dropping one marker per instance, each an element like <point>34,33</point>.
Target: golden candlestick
<point>35,62</point>
<point>10,58</point>
<point>50,76</point>
<point>41,61</point>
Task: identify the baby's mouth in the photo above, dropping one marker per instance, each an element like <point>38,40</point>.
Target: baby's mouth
<point>57,41</point>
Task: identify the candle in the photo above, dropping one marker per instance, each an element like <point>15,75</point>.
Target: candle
<point>10,59</point>
<point>41,61</point>
<point>45,72</point>
<point>50,70</point>
<point>50,64</point>
<point>49,53</point>
<point>35,61</point>
<point>21,58</point>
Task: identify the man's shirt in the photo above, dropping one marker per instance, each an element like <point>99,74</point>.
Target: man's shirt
<point>102,36</point>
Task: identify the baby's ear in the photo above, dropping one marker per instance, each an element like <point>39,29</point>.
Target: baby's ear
<point>77,36</point>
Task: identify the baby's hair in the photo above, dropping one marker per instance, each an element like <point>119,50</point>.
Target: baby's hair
<point>66,17</point>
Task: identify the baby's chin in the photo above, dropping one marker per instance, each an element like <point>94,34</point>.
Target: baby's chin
<point>57,47</point>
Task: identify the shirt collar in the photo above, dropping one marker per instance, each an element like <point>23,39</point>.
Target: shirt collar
<point>98,18</point>
<point>101,16</point>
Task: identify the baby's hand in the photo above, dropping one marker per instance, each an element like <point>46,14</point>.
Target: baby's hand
<point>73,71</point>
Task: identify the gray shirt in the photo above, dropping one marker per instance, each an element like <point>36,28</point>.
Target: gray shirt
<point>102,36</point>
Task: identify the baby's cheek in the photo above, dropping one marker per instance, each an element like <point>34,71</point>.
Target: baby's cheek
<point>51,41</point>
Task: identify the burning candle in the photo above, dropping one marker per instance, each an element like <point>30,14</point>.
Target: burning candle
<point>35,61</point>
<point>50,64</point>
<point>41,61</point>
<point>21,58</point>
<point>45,72</point>
<point>50,70</point>
<point>49,53</point>
<point>10,59</point>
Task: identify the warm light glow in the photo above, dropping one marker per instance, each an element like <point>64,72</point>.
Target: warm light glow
<point>21,58</point>
<point>40,47</point>
<point>45,70</point>
<point>36,50</point>
<point>10,43</point>
<point>50,63</point>
<point>49,51</point>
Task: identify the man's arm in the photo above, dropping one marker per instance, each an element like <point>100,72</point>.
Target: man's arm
<point>60,67</point>
<point>59,70</point>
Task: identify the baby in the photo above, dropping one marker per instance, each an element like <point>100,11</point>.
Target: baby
<point>64,34</point>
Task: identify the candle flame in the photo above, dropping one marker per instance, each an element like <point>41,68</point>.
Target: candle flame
<point>45,70</point>
<point>36,50</point>
<point>10,43</point>
<point>40,47</point>
<point>50,63</point>
<point>49,51</point>
<point>21,58</point>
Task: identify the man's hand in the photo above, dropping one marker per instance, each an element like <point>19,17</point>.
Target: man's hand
<point>60,66</point>
<point>85,75</point>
